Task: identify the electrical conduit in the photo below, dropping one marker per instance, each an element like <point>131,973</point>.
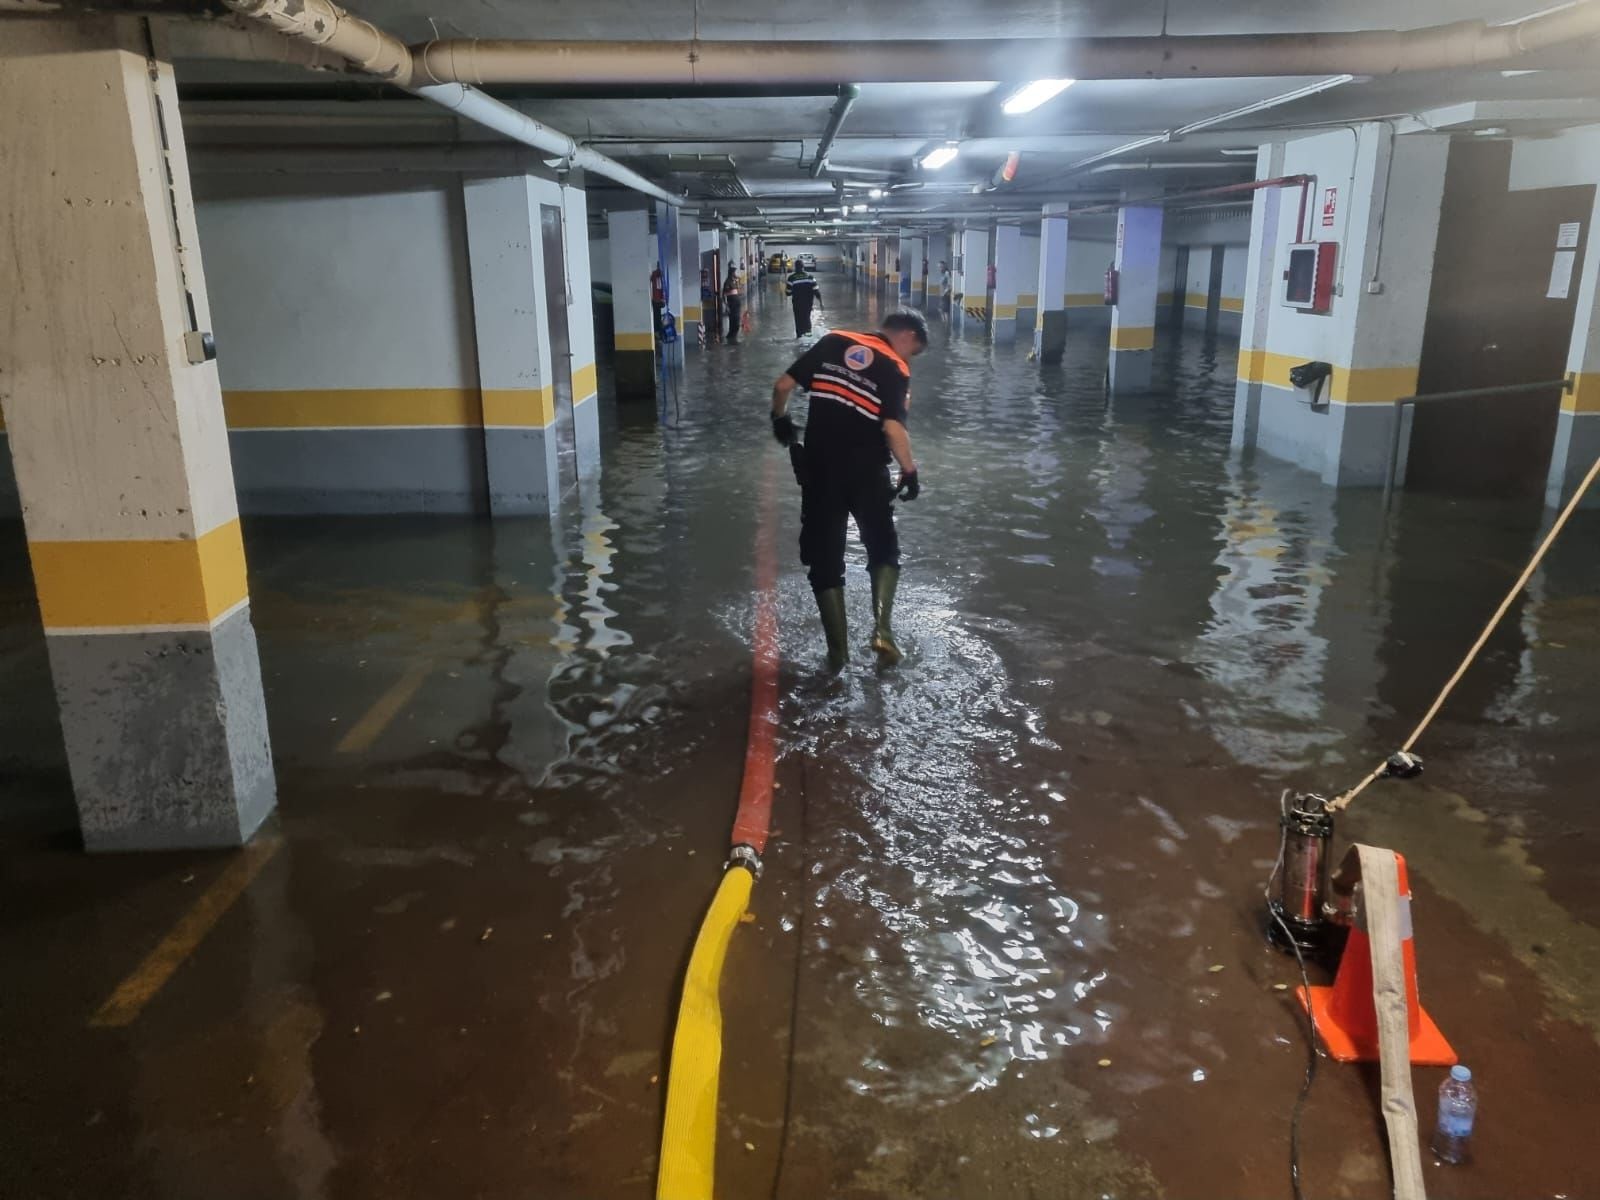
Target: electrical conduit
<point>689,1133</point>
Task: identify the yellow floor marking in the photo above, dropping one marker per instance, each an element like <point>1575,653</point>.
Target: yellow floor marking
<point>387,706</point>
<point>125,1004</point>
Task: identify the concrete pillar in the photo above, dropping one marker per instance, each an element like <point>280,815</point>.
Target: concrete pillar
<point>1577,442</point>
<point>970,276</point>
<point>1133,322</point>
<point>634,342</point>
<point>670,255</point>
<point>690,314</point>
<point>938,251</point>
<point>1028,283</point>
<point>120,447</point>
<point>913,252</point>
<point>511,314</point>
<point>1372,338</point>
<point>1007,276</point>
<point>1261,278</point>
<point>580,332</point>
<point>1050,326</point>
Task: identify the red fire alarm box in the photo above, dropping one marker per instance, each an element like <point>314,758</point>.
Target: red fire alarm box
<point>1308,283</point>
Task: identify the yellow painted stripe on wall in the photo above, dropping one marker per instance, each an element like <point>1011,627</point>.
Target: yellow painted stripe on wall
<point>636,341</point>
<point>1027,300</point>
<point>1005,312</point>
<point>1234,304</point>
<point>1133,337</point>
<point>584,383</point>
<point>528,408</point>
<point>1195,300</point>
<point>1585,394</point>
<point>1084,300</point>
<point>1349,385</point>
<point>129,584</point>
<point>352,408</point>
<point>691,312</point>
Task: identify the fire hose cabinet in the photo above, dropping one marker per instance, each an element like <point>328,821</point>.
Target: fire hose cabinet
<point>1308,283</point>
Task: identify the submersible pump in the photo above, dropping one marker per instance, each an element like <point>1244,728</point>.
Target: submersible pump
<point>1295,914</point>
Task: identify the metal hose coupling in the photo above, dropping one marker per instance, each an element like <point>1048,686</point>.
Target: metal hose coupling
<point>744,856</point>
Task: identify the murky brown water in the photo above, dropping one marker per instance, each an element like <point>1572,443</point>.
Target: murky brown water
<point>986,949</point>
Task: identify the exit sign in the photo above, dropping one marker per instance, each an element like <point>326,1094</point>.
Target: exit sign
<point>1330,206</point>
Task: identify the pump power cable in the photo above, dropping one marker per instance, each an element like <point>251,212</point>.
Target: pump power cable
<point>1404,763</point>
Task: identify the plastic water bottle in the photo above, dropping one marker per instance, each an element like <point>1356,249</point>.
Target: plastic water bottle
<point>1458,1105</point>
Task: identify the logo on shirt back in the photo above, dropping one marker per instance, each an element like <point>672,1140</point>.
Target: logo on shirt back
<point>858,358</point>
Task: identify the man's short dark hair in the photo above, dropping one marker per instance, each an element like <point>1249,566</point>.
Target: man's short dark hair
<point>908,319</point>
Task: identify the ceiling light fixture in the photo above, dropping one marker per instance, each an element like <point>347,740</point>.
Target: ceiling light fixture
<point>1031,95</point>
<point>939,156</point>
<point>876,193</point>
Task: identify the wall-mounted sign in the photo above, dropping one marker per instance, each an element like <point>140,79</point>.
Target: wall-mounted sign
<point>1561,275</point>
<point>1567,235</point>
<point>1330,206</point>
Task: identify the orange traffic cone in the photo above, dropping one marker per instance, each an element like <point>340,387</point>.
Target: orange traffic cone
<point>1344,1013</point>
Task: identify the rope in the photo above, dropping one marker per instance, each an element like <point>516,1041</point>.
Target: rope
<point>1341,802</point>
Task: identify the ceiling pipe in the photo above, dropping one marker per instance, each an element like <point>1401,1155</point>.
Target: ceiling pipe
<point>330,28</point>
<point>848,94</point>
<point>1172,135</point>
<point>1363,52</point>
<point>1149,165</point>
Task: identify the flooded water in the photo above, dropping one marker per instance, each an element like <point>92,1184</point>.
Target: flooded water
<point>1008,939</point>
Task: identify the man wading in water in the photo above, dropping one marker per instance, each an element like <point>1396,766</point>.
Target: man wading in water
<point>859,386</point>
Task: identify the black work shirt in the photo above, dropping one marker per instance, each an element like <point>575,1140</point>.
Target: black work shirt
<point>856,382</point>
<point>802,289</point>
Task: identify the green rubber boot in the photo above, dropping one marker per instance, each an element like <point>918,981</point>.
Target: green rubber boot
<point>831,605</point>
<point>885,579</point>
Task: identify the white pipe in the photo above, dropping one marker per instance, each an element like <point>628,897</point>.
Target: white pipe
<point>329,27</point>
<point>502,118</point>
<point>865,60</point>
<point>1311,89</point>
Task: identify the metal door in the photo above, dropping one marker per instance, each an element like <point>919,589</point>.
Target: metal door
<point>1490,322</point>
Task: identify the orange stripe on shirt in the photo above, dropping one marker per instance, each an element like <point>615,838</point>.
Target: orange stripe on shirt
<point>845,393</point>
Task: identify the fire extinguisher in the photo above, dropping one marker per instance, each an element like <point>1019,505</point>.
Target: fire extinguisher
<point>1111,285</point>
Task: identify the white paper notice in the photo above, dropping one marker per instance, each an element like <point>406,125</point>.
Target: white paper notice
<point>1567,235</point>
<point>1561,275</point>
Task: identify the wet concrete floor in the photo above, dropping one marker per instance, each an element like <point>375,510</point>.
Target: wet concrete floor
<point>1008,941</point>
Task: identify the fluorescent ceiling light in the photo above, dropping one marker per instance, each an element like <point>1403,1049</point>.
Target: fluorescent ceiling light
<point>1030,95</point>
<point>939,156</point>
<point>859,208</point>
<point>876,193</point>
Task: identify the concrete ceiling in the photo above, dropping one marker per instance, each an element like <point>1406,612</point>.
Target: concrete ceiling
<point>765,139</point>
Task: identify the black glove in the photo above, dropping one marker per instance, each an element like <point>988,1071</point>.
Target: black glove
<point>783,429</point>
<point>910,486</point>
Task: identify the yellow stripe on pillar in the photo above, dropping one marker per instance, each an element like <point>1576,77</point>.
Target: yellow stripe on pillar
<point>1372,385</point>
<point>1027,300</point>
<point>519,408</point>
<point>584,383</point>
<point>1084,300</point>
<point>636,341</point>
<point>1005,312</point>
<point>1349,385</point>
<point>1133,337</point>
<point>1233,304</point>
<point>1585,394</point>
<point>359,408</point>
<point>133,585</point>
